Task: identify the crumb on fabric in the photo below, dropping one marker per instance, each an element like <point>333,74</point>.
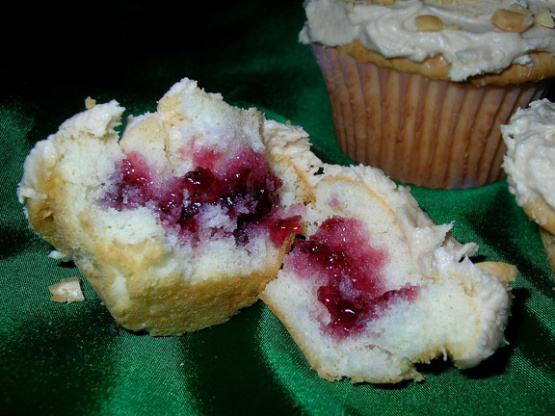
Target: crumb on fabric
<point>67,291</point>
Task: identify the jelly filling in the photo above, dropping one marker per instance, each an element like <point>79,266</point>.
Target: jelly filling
<point>348,272</point>
<point>242,186</point>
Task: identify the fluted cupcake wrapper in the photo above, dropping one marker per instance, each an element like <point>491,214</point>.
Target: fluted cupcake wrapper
<point>431,133</point>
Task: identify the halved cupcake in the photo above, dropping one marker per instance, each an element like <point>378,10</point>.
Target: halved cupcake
<point>182,221</point>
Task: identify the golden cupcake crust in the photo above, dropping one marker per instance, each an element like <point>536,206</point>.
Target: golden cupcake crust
<point>542,66</point>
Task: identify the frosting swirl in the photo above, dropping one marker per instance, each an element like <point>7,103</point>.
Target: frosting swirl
<point>466,37</point>
<point>530,158</point>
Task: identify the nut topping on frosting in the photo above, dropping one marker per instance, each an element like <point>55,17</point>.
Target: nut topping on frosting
<point>370,2</point>
<point>543,18</point>
<point>428,23</point>
<point>471,42</point>
<point>512,21</point>
<point>518,8</point>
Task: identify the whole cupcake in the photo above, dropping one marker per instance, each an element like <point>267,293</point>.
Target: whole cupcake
<point>530,166</point>
<point>419,88</point>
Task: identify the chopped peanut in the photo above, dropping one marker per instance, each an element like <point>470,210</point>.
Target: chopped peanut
<point>517,8</point>
<point>506,273</point>
<point>543,18</point>
<point>511,21</point>
<point>428,23</point>
<point>89,103</point>
<point>370,2</point>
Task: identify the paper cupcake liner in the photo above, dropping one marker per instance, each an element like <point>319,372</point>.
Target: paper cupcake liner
<point>431,133</point>
<point>548,241</point>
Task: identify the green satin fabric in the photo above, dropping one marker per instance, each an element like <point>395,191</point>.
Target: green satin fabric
<point>74,359</point>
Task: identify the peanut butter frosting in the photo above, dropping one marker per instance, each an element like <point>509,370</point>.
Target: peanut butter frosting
<point>530,160</point>
<point>472,37</point>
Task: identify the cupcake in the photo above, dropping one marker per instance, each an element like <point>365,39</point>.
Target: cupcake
<point>419,88</point>
<point>376,288</point>
<point>179,223</point>
<point>530,166</point>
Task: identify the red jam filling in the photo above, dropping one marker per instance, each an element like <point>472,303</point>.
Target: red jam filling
<point>349,274</point>
<point>242,186</point>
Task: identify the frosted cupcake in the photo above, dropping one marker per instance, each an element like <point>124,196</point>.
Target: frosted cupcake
<point>530,166</point>
<point>419,88</point>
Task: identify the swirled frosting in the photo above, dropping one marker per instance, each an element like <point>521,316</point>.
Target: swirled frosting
<point>530,158</point>
<point>468,39</point>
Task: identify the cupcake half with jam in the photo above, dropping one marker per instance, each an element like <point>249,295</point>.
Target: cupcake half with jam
<point>376,287</point>
<point>182,221</point>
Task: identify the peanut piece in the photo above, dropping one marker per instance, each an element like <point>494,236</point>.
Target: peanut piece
<point>89,103</point>
<point>428,23</point>
<point>517,8</point>
<point>510,21</point>
<point>543,18</point>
